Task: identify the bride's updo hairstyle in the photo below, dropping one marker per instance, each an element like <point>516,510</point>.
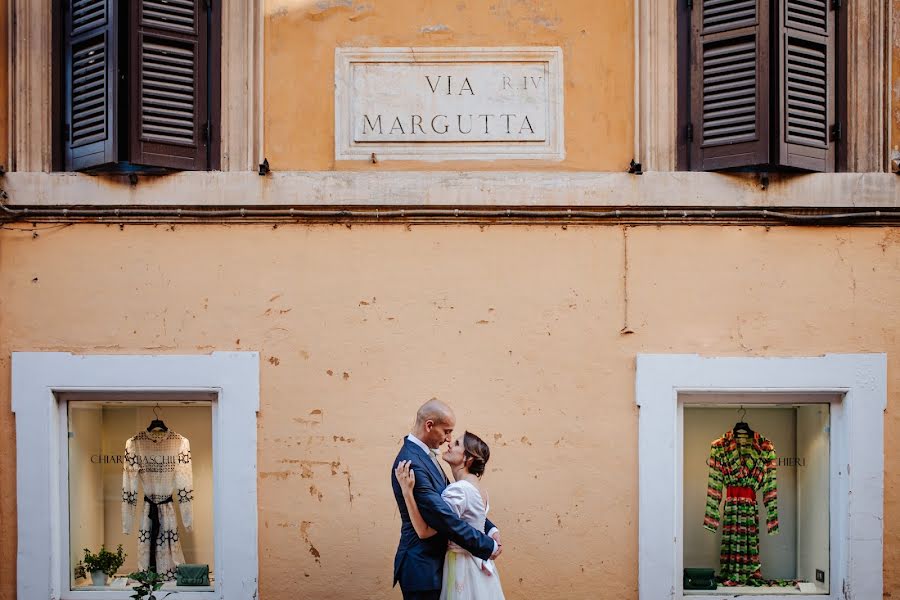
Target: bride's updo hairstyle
<point>478,451</point>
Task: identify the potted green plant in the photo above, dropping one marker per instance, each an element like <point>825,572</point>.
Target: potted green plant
<point>103,564</point>
<point>148,582</point>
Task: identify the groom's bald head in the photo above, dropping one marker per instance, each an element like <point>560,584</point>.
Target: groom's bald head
<point>434,423</point>
<point>435,410</point>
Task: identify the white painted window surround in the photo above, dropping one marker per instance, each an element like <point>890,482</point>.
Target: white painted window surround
<point>857,457</point>
<point>41,441</point>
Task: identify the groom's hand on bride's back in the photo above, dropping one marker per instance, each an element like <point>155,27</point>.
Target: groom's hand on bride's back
<point>499,550</point>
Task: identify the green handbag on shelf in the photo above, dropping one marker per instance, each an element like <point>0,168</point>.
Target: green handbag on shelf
<point>699,579</point>
<point>186,574</point>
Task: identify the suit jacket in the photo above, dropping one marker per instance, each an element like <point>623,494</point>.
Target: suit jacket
<point>419,564</point>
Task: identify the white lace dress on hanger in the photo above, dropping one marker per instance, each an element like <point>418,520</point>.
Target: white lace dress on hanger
<point>161,461</point>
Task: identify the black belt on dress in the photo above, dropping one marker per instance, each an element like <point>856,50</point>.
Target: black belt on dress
<point>154,526</point>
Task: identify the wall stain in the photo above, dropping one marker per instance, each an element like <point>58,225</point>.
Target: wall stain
<point>274,361</point>
<point>304,533</point>
<point>315,493</point>
<point>306,468</point>
<point>346,472</point>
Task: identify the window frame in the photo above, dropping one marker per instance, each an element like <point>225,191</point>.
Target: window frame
<point>127,131</point>
<point>38,379</point>
<point>34,101</point>
<point>857,434</point>
<point>772,138</point>
<point>658,109</point>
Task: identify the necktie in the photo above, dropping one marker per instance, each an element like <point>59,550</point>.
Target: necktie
<point>433,454</point>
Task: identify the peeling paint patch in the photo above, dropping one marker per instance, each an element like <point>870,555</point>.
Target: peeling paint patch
<point>340,438</point>
<point>281,475</point>
<point>437,28</point>
<point>315,417</point>
<point>525,440</point>
<point>326,8</point>
<point>274,361</point>
<point>330,372</point>
<point>545,22</point>
<point>346,375</point>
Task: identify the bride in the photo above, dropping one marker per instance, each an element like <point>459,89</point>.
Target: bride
<point>466,577</point>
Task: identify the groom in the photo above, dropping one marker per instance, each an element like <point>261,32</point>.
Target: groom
<point>419,564</point>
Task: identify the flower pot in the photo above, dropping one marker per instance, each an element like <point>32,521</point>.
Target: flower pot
<point>98,578</point>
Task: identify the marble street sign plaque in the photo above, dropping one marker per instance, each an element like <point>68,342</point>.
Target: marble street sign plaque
<point>448,103</point>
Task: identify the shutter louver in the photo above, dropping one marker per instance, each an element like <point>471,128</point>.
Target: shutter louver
<point>169,91</point>
<point>806,48</point>
<point>729,84</point>
<point>90,91</point>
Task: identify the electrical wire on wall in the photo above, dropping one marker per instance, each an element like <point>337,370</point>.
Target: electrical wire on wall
<point>495,215</point>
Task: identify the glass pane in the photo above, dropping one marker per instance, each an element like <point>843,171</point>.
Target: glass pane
<point>148,491</point>
<point>756,502</point>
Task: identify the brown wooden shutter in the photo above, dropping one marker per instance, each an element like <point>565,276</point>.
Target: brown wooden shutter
<point>91,75</point>
<point>169,125</point>
<point>729,84</point>
<point>806,86</point>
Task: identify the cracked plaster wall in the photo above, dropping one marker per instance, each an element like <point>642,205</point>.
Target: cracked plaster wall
<point>518,327</point>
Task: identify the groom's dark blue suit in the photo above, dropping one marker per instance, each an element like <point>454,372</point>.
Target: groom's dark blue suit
<point>419,564</point>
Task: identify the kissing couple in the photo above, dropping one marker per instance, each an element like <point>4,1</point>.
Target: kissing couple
<point>447,545</point>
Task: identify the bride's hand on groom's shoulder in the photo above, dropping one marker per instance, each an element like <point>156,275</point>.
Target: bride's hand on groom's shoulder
<point>406,477</point>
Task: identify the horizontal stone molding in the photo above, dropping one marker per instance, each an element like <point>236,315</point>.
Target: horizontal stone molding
<point>456,188</point>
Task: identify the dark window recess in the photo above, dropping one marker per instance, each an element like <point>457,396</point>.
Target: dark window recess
<point>762,85</point>
<point>137,85</point>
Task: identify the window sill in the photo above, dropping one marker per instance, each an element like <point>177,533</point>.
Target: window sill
<point>456,188</point>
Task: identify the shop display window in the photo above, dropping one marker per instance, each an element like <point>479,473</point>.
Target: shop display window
<point>756,514</point>
<point>140,475</point>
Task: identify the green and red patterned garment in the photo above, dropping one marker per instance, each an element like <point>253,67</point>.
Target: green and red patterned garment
<point>739,467</point>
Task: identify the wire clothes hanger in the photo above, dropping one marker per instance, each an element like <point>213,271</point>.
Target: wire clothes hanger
<point>157,423</point>
<point>741,426</point>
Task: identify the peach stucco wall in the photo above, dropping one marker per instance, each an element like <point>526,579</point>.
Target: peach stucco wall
<point>596,36</point>
<point>517,327</point>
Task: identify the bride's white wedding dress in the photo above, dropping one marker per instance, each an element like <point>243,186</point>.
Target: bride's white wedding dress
<point>467,577</point>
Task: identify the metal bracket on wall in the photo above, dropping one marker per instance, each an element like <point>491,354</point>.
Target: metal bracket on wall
<point>635,168</point>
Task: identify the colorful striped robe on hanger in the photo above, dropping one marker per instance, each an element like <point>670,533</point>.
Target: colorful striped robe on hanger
<point>739,466</point>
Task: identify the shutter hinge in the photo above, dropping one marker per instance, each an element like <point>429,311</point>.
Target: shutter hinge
<point>836,132</point>
<point>208,4</point>
<point>206,131</point>
<point>836,4</point>
<point>67,133</point>
<point>690,132</point>
<point>690,4</point>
